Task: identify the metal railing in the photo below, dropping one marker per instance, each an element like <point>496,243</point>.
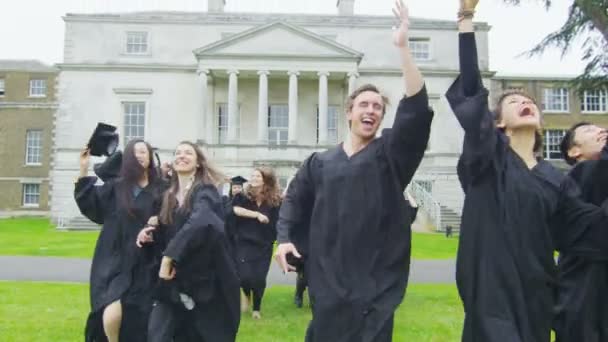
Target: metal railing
<point>427,203</point>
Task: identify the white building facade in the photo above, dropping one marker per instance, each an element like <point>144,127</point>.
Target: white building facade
<point>251,89</point>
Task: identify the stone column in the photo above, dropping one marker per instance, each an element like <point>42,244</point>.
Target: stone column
<point>233,106</point>
<point>263,107</point>
<point>293,107</point>
<point>205,126</point>
<point>352,82</point>
<point>323,102</point>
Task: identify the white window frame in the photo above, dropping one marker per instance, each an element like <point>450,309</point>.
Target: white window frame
<point>129,126</point>
<point>602,101</point>
<point>27,195</point>
<point>38,87</point>
<point>563,92</point>
<point>222,129</point>
<point>416,44</point>
<point>145,42</point>
<point>277,130</point>
<point>551,142</point>
<point>2,87</point>
<point>332,138</point>
<point>33,147</point>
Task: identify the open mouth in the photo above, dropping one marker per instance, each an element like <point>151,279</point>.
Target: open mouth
<point>526,111</point>
<point>368,122</point>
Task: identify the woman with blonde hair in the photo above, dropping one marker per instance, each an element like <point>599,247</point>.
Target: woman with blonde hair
<point>256,213</point>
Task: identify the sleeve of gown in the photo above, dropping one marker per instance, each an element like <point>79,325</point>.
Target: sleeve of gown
<point>469,102</point>
<point>409,136</point>
<point>298,201</point>
<point>580,228</point>
<point>600,176</point>
<point>93,200</point>
<point>199,227</point>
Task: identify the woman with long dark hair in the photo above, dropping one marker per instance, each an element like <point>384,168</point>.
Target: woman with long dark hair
<point>121,274</point>
<point>518,210</point>
<point>256,213</point>
<point>197,297</point>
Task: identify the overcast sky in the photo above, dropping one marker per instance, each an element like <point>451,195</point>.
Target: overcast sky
<point>33,29</point>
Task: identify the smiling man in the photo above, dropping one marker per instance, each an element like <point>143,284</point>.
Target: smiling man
<point>582,300</point>
<point>348,205</point>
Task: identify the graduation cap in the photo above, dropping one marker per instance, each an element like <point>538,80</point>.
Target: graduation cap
<point>110,168</point>
<point>104,140</point>
<point>238,180</point>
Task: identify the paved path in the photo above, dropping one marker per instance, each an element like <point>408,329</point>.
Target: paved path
<point>57,269</point>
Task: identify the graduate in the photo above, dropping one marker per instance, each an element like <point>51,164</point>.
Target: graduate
<point>121,274</point>
<point>197,296</point>
<point>582,300</point>
<point>256,210</point>
<point>517,210</point>
<point>353,197</point>
<point>236,187</point>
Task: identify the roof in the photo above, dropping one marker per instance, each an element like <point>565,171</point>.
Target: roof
<point>31,65</point>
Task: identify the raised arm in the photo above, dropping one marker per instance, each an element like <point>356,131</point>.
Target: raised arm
<point>92,200</point>
<point>469,101</point>
<point>408,138</point>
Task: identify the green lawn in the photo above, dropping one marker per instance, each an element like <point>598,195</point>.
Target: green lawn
<point>56,312</point>
<point>433,246</point>
<point>38,237</point>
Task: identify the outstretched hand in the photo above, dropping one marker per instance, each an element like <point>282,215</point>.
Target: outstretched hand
<point>400,35</point>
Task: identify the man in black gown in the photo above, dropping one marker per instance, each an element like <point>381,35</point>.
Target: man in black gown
<point>582,301</point>
<point>353,195</point>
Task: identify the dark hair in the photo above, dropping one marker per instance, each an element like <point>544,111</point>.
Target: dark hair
<point>568,142</point>
<point>271,191</point>
<point>205,174</point>
<point>350,101</point>
<point>538,136</point>
<point>131,171</point>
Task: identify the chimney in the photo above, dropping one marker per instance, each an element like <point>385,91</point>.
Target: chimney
<point>216,6</point>
<point>346,7</point>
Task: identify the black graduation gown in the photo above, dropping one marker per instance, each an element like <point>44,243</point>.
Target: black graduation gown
<point>512,221</point>
<point>229,221</point>
<point>254,241</point>
<point>582,299</point>
<point>358,238</point>
<point>119,270</point>
<point>205,270</point>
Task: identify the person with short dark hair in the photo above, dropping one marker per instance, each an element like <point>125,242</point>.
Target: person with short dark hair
<point>582,302</point>
<point>348,204</point>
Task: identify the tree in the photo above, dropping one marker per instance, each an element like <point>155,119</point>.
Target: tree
<point>587,19</point>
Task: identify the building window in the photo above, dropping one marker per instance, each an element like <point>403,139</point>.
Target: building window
<point>594,102</point>
<point>552,140</point>
<point>38,88</point>
<point>427,185</point>
<point>135,120</point>
<point>278,124</point>
<point>137,42</point>
<point>421,48</point>
<point>556,100</point>
<point>31,195</point>
<point>33,147</point>
<point>1,87</point>
<point>332,124</point>
<point>223,122</point>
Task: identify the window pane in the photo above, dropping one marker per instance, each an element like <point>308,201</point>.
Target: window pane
<point>1,87</point>
<point>278,124</point>
<point>556,99</point>
<point>134,120</point>
<point>33,147</point>
<point>31,194</point>
<point>137,42</point>
<point>553,138</point>
<point>37,87</point>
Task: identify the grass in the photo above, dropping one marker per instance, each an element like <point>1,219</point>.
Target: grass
<point>57,312</point>
<point>38,237</point>
<point>433,246</point>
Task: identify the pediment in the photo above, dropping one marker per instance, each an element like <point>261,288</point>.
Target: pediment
<point>278,39</point>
